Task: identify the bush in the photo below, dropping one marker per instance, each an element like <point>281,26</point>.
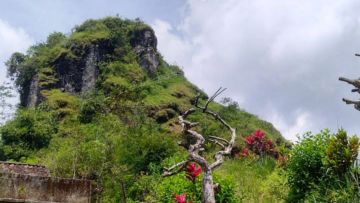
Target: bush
<point>30,130</point>
<point>320,168</point>
<point>258,144</point>
<point>341,152</point>
<point>305,167</point>
<point>179,184</point>
<point>144,144</point>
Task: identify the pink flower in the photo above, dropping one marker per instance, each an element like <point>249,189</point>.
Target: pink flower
<point>258,134</point>
<point>180,198</point>
<point>249,140</point>
<point>258,144</point>
<point>192,171</point>
<point>245,152</point>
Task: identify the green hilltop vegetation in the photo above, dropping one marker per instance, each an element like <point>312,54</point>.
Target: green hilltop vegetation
<point>102,104</point>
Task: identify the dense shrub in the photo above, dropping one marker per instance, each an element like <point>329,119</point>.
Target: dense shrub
<point>341,152</point>
<point>145,145</point>
<point>260,145</point>
<point>179,184</point>
<point>305,167</point>
<point>30,130</point>
<point>321,165</point>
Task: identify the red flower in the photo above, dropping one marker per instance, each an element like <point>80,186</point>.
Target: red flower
<point>180,198</point>
<point>258,134</point>
<point>245,152</point>
<point>192,171</point>
<point>258,144</point>
<point>250,139</point>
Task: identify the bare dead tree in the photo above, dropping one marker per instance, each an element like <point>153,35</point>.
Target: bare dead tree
<point>197,146</point>
<point>356,84</point>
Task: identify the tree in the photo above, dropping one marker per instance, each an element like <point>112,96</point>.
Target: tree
<point>5,106</point>
<point>195,147</point>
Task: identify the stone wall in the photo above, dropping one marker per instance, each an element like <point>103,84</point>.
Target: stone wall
<point>21,182</point>
<point>26,188</point>
<point>25,169</point>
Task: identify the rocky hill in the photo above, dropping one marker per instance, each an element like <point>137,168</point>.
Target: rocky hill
<point>101,103</point>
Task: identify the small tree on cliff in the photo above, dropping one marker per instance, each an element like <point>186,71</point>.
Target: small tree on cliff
<point>5,106</point>
<point>196,143</point>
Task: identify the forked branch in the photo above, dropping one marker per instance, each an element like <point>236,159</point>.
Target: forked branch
<point>356,84</point>
<point>197,142</point>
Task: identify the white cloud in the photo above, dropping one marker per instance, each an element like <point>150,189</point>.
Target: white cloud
<point>169,41</point>
<point>12,39</point>
<point>282,55</point>
<point>291,130</point>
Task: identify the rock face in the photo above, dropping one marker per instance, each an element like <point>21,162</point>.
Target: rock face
<point>34,96</point>
<point>144,45</point>
<point>91,70</point>
<point>79,75</point>
<point>74,76</point>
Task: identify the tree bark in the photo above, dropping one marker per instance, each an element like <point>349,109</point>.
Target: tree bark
<point>208,194</point>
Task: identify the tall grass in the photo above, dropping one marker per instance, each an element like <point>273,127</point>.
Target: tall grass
<point>249,175</point>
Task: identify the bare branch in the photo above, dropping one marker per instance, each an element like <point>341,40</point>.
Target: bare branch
<point>170,171</point>
<point>218,143</point>
<point>355,83</point>
<point>355,90</point>
<point>348,101</point>
<point>190,124</point>
<point>219,156</point>
<point>211,99</point>
<point>356,103</point>
<point>219,138</point>
<point>188,112</point>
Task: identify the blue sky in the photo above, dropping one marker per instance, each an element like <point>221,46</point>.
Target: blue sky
<point>279,59</point>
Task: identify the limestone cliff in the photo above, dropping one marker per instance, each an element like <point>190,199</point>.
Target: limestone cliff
<point>79,75</point>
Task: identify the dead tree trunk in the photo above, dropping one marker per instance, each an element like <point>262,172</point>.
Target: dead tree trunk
<point>208,194</point>
<point>195,148</point>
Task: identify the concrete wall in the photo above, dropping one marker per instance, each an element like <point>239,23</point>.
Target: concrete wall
<point>27,188</point>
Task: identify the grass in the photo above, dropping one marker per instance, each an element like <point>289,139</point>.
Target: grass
<point>248,175</point>
<point>63,103</point>
<point>83,38</point>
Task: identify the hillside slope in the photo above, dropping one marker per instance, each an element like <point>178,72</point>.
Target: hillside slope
<point>101,103</point>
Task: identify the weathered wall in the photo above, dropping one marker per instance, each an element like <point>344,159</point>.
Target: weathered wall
<point>43,189</point>
<point>25,169</point>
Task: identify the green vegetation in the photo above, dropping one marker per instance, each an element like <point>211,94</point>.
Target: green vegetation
<point>321,168</point>
<point>123,132</point>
